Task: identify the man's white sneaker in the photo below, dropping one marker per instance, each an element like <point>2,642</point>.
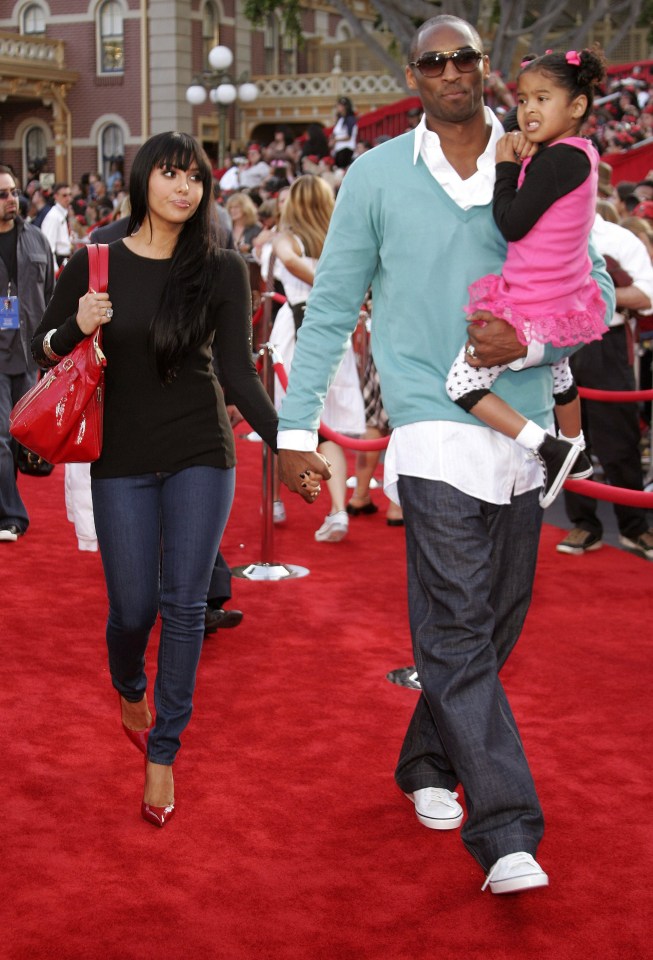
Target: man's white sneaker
<point>514,873</point>
<point>334,528</point>
<point>437,808</point>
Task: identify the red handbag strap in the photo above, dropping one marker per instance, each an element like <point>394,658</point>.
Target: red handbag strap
<point>98,267</point>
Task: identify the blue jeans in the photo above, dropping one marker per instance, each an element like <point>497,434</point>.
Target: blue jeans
<point>12,509</point>
<point>158,536</point>
<point>470,573</point>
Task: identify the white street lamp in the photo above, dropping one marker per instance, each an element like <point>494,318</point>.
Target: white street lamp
<point>222,89</point>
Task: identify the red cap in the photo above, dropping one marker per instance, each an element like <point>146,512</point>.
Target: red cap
<point>644,209</point>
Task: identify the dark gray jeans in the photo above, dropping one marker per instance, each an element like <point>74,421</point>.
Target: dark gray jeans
<point>12,509</point>
<point>470,574</point>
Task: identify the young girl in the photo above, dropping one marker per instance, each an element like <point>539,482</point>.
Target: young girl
<point>545,210</point>
<point>163,485</point>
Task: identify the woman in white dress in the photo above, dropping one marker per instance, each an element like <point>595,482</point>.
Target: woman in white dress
<point>297,247</point>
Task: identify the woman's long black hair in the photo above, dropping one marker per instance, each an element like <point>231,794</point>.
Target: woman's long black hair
<point>180,322</point>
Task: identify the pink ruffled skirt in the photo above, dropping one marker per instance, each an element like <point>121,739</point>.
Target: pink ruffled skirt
<point>543,322</point>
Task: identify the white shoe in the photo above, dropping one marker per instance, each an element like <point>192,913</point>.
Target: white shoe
<point>437,808</point>
<point>516,872</point>
<point>278,512</point>
<point>334,528</point>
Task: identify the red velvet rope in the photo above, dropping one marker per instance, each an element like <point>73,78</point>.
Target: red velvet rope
<point>616,396</point>
<point>258,314</point>
<point>603,491</point>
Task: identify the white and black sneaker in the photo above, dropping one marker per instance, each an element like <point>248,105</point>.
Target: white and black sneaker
<point>558,458</point>
<point>582,468</point>
<point>9,533</point>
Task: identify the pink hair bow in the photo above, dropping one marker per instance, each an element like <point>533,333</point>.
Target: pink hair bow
<point>573,58</point>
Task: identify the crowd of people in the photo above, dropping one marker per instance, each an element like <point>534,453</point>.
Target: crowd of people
<point>181,355</point>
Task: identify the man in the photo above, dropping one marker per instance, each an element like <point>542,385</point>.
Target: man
<point>26,283</point>
<point>413,220</point>
<point>612,429</point>
<point>39,208</point>
<point>55,223</point>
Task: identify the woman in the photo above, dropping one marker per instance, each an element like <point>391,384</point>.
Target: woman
<point>297,245</point>
<point>163,485</point>
<point>344,134</point>
<point>244,218</point>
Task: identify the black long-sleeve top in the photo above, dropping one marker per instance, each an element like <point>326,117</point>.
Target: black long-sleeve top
<point>149,426</point>
<point>552,173</point>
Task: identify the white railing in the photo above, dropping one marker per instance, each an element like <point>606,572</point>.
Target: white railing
<point>13,46</point>
<point>326,85</point>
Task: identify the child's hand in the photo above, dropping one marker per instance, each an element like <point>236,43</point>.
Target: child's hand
<point>514,147</point>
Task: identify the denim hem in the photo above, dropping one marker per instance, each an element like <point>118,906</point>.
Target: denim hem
<point>421,783</point>
<point>501,847</point>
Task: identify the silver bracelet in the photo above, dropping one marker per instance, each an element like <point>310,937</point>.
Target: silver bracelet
<point>47,349</point>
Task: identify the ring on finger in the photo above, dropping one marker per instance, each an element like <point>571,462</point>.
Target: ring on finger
<point>108,312</point>
<point>471,350</point>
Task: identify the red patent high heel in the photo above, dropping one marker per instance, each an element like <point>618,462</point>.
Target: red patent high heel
<point>138,737</point>
<point>158,816</point>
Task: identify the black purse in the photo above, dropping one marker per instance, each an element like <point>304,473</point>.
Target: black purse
<point>30,463</point>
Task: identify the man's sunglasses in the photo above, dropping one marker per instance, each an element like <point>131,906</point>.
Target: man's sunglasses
<point>433,64</point>
<point>5,194</point>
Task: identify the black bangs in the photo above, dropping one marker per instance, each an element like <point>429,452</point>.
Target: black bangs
<point>179,151</point>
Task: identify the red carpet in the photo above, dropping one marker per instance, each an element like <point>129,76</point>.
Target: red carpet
<point>291,841</point>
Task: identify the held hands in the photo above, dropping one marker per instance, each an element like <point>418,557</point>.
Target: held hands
<point>301,471</point>
<point>94,310</point>
<point>514,147</point>
<point>491,341</point>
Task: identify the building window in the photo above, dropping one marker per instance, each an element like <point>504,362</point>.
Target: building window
<point>271,45</point>
<point>210,30</point>
<point>112,150</point>
<point>33,21</point>
<point>111,37</point>
<point>280,49</point>
<point>36,151</point>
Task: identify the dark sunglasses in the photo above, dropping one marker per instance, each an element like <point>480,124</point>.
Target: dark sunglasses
<point>5,194</point>
<point>433,64</point>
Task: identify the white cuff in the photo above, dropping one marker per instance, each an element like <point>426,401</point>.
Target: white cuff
<point>297,440</point>
<point>533,358</point>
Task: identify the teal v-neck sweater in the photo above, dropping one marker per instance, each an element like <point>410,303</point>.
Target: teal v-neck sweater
<point>396,229</point>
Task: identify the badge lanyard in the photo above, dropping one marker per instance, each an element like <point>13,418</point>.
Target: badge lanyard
<point>9,311</point>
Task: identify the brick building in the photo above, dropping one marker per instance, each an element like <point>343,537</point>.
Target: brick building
<point>85,82</point>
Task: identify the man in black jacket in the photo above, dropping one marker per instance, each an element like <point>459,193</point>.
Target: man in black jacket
<point>26,284</point>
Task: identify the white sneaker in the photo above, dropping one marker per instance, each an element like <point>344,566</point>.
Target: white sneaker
<point>516,872</point>
<point>334,528</point>
<point>278,512</point>
<point>436,808</point>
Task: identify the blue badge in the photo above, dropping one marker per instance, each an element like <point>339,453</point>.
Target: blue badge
<point>9,316</point>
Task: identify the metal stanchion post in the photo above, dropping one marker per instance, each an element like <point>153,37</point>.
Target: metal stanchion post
<point>266,568</point>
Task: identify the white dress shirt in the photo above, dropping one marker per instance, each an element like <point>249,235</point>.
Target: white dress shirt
<point>55,228</point>
<point>613,240</point>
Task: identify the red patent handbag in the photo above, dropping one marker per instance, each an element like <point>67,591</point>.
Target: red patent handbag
<point>60,418</point>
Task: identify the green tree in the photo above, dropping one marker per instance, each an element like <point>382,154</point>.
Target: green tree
<point>506,25</point>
